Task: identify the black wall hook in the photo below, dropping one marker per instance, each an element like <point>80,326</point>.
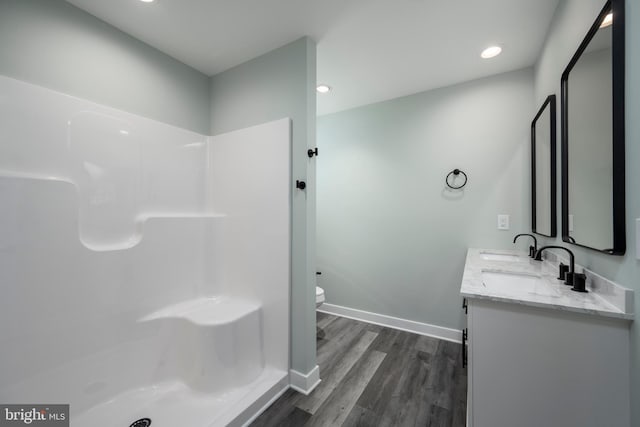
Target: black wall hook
<point>301,185</point>
<point>455,173</point>
<point>313,152</point>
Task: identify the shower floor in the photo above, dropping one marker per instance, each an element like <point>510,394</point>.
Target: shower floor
<point>172,404</point>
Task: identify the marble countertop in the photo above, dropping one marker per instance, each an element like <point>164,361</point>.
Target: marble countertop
<point>561,296</point>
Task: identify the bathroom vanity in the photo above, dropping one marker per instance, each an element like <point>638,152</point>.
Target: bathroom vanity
<point>539,354</point>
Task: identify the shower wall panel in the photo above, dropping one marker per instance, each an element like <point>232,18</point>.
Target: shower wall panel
<point>138,260</point>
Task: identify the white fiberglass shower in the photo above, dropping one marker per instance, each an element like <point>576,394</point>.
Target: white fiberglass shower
<point>144,268</point>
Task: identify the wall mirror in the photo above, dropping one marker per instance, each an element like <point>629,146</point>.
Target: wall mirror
<point>593,188</point>
<point>543,169</point>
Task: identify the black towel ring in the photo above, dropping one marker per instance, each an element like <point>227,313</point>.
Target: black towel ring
<point>456,172</point>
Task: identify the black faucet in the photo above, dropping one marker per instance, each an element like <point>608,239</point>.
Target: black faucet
<point>532,249</point>
<point>569,276</point>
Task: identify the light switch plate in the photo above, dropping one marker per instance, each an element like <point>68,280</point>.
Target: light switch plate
<point>503,222</point>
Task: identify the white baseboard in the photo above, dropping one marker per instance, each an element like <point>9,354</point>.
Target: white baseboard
<point>439,332</point>
<point>304,383</point>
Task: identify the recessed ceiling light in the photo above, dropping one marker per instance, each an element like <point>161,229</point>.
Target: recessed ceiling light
<point>491,52</point>
<point>323,88</point>
<point>147,1</point>
<point>124,132</point>
<point>608,20</point>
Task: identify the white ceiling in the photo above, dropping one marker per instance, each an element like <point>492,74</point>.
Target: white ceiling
<point>368,50</point>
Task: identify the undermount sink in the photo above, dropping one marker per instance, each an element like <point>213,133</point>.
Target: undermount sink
<point>494,256</point>
<point>509,283</point>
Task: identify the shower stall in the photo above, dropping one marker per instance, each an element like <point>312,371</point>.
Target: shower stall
<point>144,268</point>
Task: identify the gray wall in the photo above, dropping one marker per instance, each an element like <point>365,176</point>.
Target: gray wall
<point>56,45</point>
<point>391,239</point>
<point>570,24</point>
<point>281,84</point>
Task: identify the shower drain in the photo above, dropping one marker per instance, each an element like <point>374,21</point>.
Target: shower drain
<point>142,422</point>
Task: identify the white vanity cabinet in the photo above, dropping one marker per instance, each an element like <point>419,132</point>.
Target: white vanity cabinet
<point>545,367</point>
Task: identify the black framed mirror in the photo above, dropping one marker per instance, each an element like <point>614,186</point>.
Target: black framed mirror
<point>543,169</point>
<point>593,187</point>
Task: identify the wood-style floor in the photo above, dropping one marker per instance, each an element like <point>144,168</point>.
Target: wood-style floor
<point>376,376</point>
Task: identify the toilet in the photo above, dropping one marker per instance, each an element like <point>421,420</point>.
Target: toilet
<point>319,296</point>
